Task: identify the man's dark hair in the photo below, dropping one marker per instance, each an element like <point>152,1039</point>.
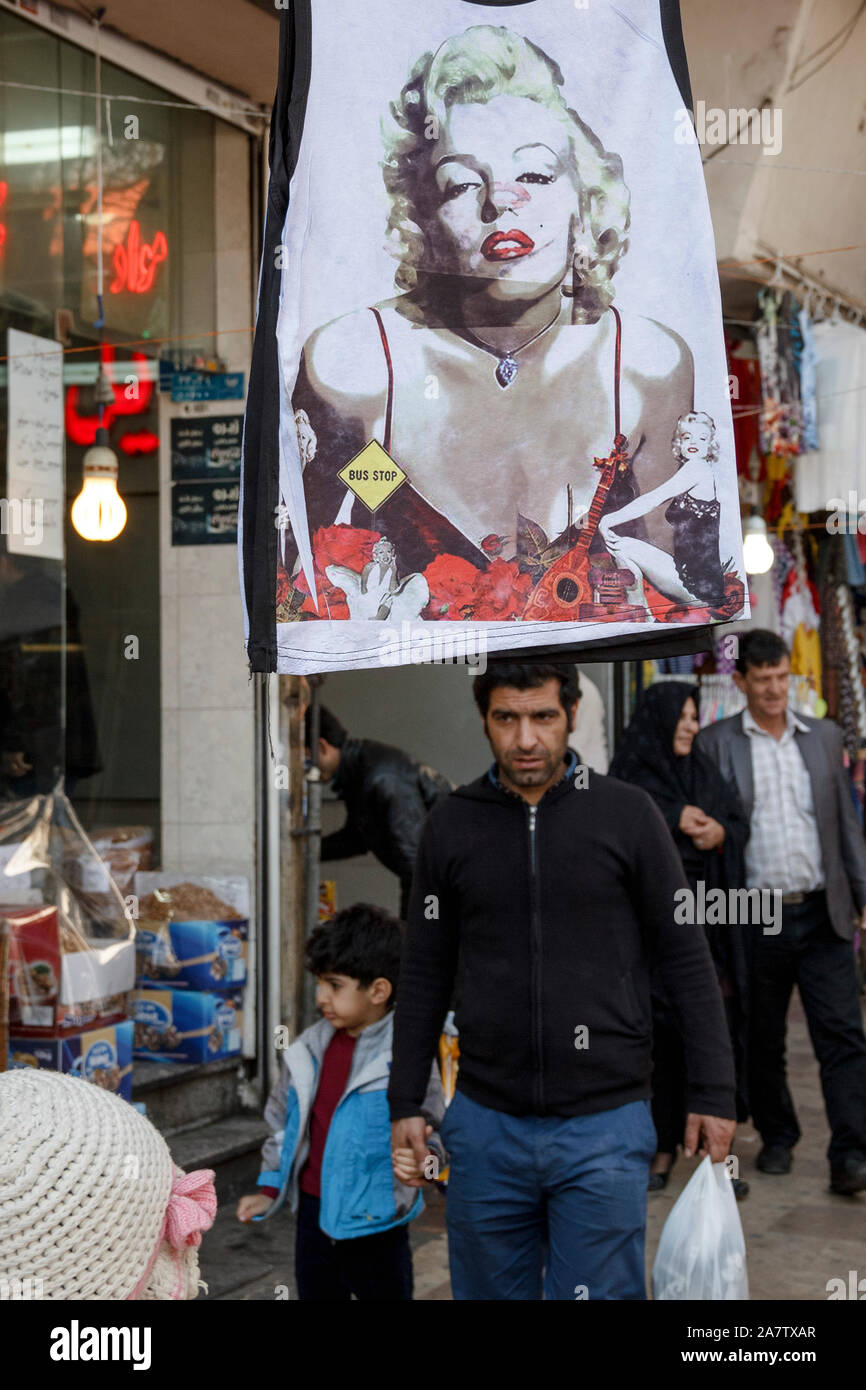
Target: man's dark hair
<point>526,675</point>
<point>362,942</point>
<point>759,647</point>
<point>330,728</point>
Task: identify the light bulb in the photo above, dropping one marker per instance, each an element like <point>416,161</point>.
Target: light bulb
<point>758,554</point>
<point>99,512</point>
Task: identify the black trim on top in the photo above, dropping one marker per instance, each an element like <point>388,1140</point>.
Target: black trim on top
<point>672,30</point>
<point>261,462</point>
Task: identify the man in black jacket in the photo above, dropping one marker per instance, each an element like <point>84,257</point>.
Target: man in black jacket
<point>545,892</point>
<point>387,796</point>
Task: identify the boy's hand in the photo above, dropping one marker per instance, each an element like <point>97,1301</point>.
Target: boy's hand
<point>251,1206</point>
<point>405,1166</point>
<point>411,1134</point>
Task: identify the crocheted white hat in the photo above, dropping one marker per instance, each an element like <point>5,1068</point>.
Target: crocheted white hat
<point>91,1205</point>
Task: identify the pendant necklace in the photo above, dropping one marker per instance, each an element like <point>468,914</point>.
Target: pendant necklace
<point>507,366</point>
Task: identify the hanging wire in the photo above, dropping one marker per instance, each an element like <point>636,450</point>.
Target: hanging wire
<point>212,109</point>
<point>100,321</point>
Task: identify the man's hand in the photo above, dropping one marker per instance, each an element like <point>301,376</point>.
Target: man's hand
<point>693,820</point>
<point>14,764</point>
<point>714,1135</point>
<point>411,1134</point>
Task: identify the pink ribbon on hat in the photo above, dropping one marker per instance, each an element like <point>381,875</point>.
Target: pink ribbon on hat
<point>192,1206</point>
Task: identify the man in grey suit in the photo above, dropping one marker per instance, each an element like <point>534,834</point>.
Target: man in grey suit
<point>805,842</point>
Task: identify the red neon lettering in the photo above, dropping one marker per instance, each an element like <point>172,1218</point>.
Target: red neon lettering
<point>81,429</point>
<point>135,261</point>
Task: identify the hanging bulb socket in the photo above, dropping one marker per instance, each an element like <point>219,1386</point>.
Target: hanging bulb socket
<point>99,512</point>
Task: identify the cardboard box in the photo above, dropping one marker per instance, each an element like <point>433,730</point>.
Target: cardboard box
<point>208,956</point>
<point>184,1025</point>
<point>54,990</point>
<point>102,1056</point>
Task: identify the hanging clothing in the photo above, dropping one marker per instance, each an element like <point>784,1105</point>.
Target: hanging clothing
<point>826,479</point>
<point>780,419</point>
<point>800,620</point>
<point>745,390</point>
<point>808,365</point>
<point>495,323</point>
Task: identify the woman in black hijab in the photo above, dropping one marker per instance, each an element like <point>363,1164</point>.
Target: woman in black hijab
<point>710,829</point>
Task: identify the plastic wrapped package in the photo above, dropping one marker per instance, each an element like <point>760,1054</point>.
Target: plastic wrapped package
<point>70,967</point>
<point>192,933</point>
<point>123,851</point>
<point>702,1251</point>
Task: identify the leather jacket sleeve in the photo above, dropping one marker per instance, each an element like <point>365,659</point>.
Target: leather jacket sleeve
<point>344,843</point>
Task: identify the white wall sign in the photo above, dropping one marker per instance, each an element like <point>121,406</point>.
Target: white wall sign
<point>31,514</point>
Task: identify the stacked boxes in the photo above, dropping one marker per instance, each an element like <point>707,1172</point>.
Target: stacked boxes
<point>58,982</point>
<point>186,1025</point>
<point>102,1056</point>
<point>191,952</point>
<point>67,999</point>
<point>193,955</point>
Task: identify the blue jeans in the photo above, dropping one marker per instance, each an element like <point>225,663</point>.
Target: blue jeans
<point>541,1206</point>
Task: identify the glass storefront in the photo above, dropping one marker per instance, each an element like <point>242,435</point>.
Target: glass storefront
<point>159,289</point>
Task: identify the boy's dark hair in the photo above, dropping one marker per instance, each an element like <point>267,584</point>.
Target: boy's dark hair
<point>759,647</point>
<point>526,675</point>
<point>362,942</point>
<point>330,728</point>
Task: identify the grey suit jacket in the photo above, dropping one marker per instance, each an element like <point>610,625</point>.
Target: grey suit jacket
<point>842,845</point>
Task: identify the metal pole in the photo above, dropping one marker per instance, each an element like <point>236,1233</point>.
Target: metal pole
<point>312,849</point>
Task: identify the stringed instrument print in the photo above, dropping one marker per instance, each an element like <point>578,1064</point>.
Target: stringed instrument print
<point>568,589</point>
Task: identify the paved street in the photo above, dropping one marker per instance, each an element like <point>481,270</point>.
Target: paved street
<point>798,1234</point>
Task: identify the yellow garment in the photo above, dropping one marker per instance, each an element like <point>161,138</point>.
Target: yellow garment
<point>806,655</point>
<point>449,1052</point>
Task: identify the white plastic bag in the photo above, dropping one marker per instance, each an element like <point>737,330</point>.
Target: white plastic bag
<point>702,1252</point>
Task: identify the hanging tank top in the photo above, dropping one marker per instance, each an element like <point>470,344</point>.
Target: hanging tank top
<point>488,323</point>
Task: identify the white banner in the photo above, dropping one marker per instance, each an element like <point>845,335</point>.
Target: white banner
<point>31,515</point>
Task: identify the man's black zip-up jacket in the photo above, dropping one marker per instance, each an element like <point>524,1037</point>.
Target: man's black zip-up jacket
<point>543,923</point>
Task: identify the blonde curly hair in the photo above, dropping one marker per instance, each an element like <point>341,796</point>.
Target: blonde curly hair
<point>484,62</point>
<point>695,417</point>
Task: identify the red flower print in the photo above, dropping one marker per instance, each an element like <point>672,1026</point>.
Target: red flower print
<point>335,545</point>
<point>452,587</point>
<point>343,545</point>
<point>501,592</point>
<point>284,584</point>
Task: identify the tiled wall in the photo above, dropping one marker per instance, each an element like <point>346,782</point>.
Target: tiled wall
<point>207,697</point>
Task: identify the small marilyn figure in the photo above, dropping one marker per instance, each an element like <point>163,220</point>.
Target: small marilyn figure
<point>693,573</point>
<point>376,592</point>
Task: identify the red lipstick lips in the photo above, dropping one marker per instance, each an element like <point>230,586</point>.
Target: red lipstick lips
<point>506,246</point>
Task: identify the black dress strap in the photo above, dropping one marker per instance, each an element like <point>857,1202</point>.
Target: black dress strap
<point>389,407</point>
<point>616,368</point>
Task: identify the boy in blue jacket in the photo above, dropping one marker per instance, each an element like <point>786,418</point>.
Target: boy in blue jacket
<point>329,1149</point>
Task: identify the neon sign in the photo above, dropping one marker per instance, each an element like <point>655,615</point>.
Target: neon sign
<point>4,189</point>
<point>135,261</point>
<point>130,399</point>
